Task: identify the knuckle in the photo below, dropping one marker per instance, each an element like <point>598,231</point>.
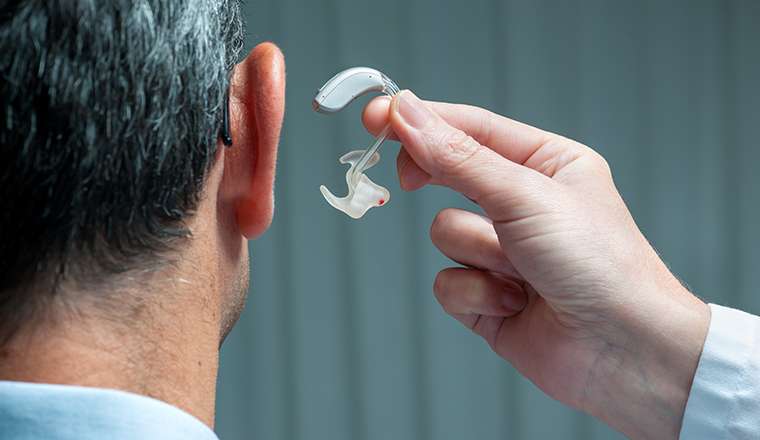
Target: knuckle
<point>601,164</point>
<point>595,162</point>
<point>457,148</point>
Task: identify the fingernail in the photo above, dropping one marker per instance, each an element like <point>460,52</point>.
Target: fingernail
<point>514,298</point>
<point>402,159</point>
<point>414,111</point>
<point>400,174</point>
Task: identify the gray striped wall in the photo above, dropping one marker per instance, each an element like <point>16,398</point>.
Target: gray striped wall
<point>342,337</point>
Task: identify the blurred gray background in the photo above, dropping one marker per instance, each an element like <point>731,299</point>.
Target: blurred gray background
<point>342,337</point>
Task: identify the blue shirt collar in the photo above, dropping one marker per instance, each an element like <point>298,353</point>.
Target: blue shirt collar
<point>30,411</point>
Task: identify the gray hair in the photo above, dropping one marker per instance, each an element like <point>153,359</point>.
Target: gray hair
<point>109,118</point>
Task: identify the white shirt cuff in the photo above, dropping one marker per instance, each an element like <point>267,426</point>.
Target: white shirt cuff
<point>724,402</point>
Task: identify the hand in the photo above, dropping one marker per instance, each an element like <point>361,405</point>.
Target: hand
<point>557,278</point>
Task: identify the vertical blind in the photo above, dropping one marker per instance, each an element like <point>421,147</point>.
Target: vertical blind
<point>342,337</point>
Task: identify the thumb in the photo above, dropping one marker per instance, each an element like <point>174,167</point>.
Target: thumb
<point>457,160</point>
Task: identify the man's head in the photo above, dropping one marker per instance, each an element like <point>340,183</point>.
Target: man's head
<point>109,120</point>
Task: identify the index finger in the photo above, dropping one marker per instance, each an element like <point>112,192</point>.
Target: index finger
<point>511,139</point>
<point>499,185</point>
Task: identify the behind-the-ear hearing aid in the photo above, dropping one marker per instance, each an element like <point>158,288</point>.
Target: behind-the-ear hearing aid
<point>333,97</point>
<point>224,133</point>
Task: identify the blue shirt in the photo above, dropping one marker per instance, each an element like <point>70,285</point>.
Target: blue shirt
<point>30,411</point>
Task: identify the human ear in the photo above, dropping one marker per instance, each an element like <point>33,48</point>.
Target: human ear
<point>256,109</point>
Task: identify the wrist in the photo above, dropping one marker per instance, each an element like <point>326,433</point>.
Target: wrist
<point>641,380</point>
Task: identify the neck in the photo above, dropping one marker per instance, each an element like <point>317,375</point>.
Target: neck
<point>163,340</point>
<point>165,345</point>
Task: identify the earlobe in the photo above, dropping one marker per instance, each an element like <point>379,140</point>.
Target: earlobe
<point>256,109</point>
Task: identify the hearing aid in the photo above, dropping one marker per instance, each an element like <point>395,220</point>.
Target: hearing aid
<point>334,96</point>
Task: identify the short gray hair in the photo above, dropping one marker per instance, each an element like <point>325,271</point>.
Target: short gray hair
<point>109,118</point>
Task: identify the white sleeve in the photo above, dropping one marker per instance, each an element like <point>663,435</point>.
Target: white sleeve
<point>724,402</point>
